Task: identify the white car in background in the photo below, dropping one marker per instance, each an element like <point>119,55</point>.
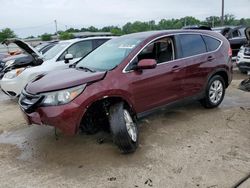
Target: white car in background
<point>243,57</point>
<point>58,57</point>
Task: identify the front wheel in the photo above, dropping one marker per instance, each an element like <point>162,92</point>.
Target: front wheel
<point>123,128</point>
<point>215,92</point>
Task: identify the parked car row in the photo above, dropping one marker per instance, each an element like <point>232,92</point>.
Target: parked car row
<point>124,79</point>
<point>60,56</point>
<point>24,59</point>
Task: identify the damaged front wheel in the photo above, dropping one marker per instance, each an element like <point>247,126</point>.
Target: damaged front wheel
<point>123,128</point>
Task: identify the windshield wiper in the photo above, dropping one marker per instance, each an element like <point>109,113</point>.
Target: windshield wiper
<point>86,69</point>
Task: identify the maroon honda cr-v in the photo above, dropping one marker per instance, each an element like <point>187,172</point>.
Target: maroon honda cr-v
<point>129,77</point>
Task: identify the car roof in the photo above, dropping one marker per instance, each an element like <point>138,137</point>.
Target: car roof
<point>147,34</point>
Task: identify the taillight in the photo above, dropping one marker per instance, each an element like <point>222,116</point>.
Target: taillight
<point>230,53</point>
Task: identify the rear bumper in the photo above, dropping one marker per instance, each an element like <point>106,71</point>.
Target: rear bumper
<point>66,117</point>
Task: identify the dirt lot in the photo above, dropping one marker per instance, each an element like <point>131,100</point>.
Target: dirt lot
<point>185,147</point>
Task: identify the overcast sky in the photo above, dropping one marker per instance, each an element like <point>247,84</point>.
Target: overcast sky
<point>33,17</point>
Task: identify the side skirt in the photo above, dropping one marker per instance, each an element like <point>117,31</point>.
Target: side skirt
<point>181,102</point>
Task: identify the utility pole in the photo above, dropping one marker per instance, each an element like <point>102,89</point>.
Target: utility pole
<point>56,29</point>
<point>222,13</point>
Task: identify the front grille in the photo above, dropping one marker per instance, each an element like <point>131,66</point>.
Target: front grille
<point>28,102</point>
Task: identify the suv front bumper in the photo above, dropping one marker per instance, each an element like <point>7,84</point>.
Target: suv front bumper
<point>65,117</point>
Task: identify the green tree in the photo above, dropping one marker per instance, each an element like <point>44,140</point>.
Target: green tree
<point>66,36</point>
<point>230,19</point>
<point>6,33</point>
<point>46,37</point>
<point>117,31</point>
<point>189,20</point>
<point>83,29</point>
<point>212,21</point>
<point>72,30</point>
<point>92,29</point>
<point>30,37</point>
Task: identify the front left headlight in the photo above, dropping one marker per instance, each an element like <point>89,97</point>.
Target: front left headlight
<point>14,73</point>
<point>62,96</point>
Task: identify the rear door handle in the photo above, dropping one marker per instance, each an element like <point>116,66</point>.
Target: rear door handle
<point>210,58</point>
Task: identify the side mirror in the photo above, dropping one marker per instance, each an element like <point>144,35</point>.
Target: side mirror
<point>67,58</point>
<point>146,64</point>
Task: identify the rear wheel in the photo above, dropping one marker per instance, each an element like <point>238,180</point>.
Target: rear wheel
<point>123,128</point>
<point>215,92</point>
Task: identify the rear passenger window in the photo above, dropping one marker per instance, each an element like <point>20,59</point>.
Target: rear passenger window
<point>212,43</point>
<point>192,45</point>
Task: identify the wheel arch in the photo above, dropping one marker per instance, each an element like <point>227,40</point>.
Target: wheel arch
<point>221,72</point>
<point>112,99</point>
<point>102,104</point>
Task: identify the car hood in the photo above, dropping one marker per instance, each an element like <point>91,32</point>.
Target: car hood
<point>23,45</point>
<point>247,33</point>
<point>62,79</point>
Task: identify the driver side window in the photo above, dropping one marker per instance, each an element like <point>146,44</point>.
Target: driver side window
<point>161,50</point>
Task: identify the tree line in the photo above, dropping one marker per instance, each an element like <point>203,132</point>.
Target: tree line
<point>139,26</point>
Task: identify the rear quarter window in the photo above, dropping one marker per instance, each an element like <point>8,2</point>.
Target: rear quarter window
<point>192,44</point>
<point>212,43</point>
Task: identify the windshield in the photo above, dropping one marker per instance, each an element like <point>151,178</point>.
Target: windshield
<point>110,54</point>
<point>55,50</point>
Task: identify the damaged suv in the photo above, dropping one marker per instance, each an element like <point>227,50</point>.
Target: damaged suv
<point>129,77</point>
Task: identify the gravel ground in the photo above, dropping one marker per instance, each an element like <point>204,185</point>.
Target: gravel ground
<point>184,147</point>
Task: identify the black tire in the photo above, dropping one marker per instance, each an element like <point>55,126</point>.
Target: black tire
<point>207,101</point>
<point>119,131</point>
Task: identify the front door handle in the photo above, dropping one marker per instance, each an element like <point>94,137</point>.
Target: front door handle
<point>210,58</point>
<point>176,68</point>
